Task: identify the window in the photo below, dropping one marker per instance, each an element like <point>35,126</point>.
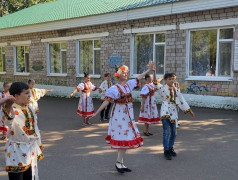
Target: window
<point>210,52</point>
<point>57,63</point>
<point>22,59</point>
<point>2,59</point>
<point>89,57</point>
<point>149,47</point>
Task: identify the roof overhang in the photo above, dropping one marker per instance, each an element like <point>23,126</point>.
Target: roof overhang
<point>133,14</point>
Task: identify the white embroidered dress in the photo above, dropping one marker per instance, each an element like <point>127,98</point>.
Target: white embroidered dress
<point>85,106</point>
<point>150,114</point>
<point>104,86</point>
<point>172,98</point>
<point>36,94</point>
<point>122,131</point>
<point>23,148</point>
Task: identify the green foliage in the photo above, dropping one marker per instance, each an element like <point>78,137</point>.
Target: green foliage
<point>11,6</point>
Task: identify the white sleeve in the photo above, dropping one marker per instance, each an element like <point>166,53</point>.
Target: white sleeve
<point>144,90</point>
<point>81,86</point>
<point>133,83</point>
<point>183,105</point>
<point>113,93</point>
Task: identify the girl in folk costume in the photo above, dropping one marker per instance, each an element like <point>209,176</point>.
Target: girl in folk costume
<point>23,148</point>
<point>172,98</point>
<point>85,106</point>
<point>105,85</point>
<point>36,94</point>
<point>5,93</point>
<point>148,112</point>
<point>123,133</point>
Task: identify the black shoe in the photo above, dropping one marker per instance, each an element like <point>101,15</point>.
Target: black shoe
<point>101,119</point>
<point>172,152</point>
<point>167,155</point>
<point>146,134</point>
<point>150,134</point>
<point>120,170</point>
<point>126,169</point>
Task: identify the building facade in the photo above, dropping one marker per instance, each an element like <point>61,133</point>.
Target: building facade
<point>197,39</point>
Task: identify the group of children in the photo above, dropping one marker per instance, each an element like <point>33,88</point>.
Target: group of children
<point>19,109</point>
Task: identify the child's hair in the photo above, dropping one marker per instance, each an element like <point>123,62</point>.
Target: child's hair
<point>5,83</point>
<point>17,88</point>
<point>173,75</point>
<point>147,76</point>
<point>169,75</point>
<point>106,74</point>
<point>30,80</point>
<point>85,74</point>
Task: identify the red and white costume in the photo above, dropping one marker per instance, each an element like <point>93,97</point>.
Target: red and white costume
<point>85,107</point>
<point>172,99</point>
<point>3,127</point>
<point>122,131</point>
<point>150,114</point>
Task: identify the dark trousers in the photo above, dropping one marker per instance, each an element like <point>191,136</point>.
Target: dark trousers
<point>105,111</point>
<point>27,175</point>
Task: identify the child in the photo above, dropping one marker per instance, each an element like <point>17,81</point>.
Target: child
<point>36,94</point>
<point>123,133</point>
<point>23,148</point>
<point>85,107</point>
<point>106,84</point>
<point>172,98</point>
<point>5,93</point>
<point>148,111</point>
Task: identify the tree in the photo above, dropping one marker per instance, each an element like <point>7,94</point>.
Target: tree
<point>11,6</point>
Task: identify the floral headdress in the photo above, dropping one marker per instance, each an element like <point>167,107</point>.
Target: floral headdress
<point>120,70</point>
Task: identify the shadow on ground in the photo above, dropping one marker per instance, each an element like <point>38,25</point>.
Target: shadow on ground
<point>206,145</point>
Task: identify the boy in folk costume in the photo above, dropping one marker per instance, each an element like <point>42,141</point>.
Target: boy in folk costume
<point>85,106</point>
<point>148,112</point>
<point>36,94</point>
<point>123,133</point>
<point>105,85</point>
<point>5,93</point>
<point>23,148</point>
<point>172,98</point>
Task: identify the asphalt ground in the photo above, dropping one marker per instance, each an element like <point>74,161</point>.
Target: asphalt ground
<point>207,147</point>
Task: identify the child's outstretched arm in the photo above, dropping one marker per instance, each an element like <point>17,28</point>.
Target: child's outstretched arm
<point>150,67</point>
<point>75,90</point>
<point>103,106</point>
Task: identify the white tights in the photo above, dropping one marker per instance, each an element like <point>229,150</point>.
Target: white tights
<point>120,156</point>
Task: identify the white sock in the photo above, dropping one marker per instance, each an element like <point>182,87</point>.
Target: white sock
<point>121,153</point>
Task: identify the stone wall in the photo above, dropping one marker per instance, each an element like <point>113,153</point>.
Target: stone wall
<point>117,40</point>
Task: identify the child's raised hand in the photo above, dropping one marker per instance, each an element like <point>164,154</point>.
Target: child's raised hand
<point>10,100</point>
<point>151,65</point>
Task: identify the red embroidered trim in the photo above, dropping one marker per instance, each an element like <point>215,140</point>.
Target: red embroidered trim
<point>130,144</point>
<point>142,119</point>
<point>3,128</point>
<point>84,113</point>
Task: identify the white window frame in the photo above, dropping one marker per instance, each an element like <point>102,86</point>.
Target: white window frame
<point>210,78</point>
<point>48,55</point>
<point>78,73</point>
<point>132,47</point>
<point>15,59</point>
<point>3,72</point>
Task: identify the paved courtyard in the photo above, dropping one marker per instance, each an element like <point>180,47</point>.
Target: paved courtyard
<point>207,147</point>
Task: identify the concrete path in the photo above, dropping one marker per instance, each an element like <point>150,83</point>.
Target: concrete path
<point>207,147</point>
